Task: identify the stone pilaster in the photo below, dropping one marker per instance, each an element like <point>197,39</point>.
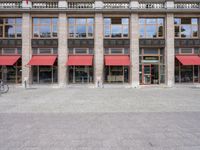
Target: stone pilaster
<point>62,49</point>
<point>134,49</point>
<point>99,48</point>
<point>26,47</point>
<point>169,50</point>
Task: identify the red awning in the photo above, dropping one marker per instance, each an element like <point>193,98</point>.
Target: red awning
<point>189,60</point>
<point>80,60</point>
<point>117,60</point>
<point>8,60</point>
<point>42,60</point>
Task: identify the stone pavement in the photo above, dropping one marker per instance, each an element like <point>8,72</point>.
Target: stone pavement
<point>100,119</point>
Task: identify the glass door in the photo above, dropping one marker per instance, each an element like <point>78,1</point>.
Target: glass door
<point>146,74</point>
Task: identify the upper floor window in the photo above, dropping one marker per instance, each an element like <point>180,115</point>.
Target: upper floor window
<point>44,51</point>
<point>116,51</point>
<point>45,27</point>
<point>10,51</point>
<point>151,27</point>
<point>186,51</point>
<point>186,27</point>
<point>116,27</point>
<point>81,27</point>
<point>81,51</point>
<point>10,27</point>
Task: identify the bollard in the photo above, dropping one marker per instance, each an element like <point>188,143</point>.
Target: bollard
<point>25,84</point>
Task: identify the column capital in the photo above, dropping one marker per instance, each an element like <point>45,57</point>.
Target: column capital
<point>26,4</point>
<point>134,4</point>
<point>62,4</point>
<point>169,4</point>
<point>98,4</point>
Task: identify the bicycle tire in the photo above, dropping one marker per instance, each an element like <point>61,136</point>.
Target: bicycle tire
<point>4,88</point>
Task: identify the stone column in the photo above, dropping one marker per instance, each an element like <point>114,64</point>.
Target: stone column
<point>26,47</point>
<point>98,49</point>
<point>134,49</point>
<point>62,49</point>
<point>169,50</point>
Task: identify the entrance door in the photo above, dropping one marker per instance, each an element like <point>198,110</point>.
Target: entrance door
<point>146,71</point>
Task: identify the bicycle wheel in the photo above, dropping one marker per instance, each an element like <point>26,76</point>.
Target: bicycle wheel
<point>4,88</point>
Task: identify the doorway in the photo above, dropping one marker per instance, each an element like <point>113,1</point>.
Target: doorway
<point>150,74</point>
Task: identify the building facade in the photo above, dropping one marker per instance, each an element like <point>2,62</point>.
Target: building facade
<point>133,42</point>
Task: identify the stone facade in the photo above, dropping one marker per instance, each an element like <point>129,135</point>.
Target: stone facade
<point>166,9</point>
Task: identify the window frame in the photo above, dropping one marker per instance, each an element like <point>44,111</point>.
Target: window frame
<point>75,24</point>
<point>143,25</point>
<point>39,25</point>
<point>110,25</point>
<point>15,24</point>
<point>180,24</point>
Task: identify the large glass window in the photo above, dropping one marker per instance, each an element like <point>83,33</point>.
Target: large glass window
<point>11,27</point>
<point>151,27</point>
<point>116,74</point>
<point>186,74</point>
<point>81,74</point>
<point>116,27</point>
<point>12,74</point>
<point>186,27</point>
<point>81,27</point>
<point>45,27</point>
<point>10,51</point>
<point>45,74</point>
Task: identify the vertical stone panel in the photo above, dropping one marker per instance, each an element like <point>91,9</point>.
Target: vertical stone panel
<point>169,50</point>
<point>99,48</point>
<point>26,47</point>
<point>62,49</point>
<point>134,49</point>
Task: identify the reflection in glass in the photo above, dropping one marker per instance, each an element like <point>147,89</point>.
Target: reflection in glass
<point>151,31</point>
<point>116,31</point>
<point>185,31</point>
<point>81,31</point>
<point>80,74</point>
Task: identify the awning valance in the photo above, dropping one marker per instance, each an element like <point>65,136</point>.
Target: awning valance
<point>117,60</point>
<point>82,60</point>
<point>189,60</point>
<point>42,61</point>
<point>8,60</point>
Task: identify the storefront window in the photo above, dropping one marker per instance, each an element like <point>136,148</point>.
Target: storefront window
<point>117,74</point>
<point>80,74</point>
<point>44,74</point>
<point>11,74</point>
<point>116,27</point>
<point>186,74</point>
<point>81,27</point>
<point>11,27</point>
<point>45,27</point>
<point>151,27</point>
<point>186,27</point>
